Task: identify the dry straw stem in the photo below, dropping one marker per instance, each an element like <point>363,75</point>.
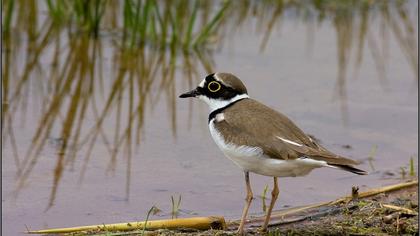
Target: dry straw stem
<point>376,191</point>
<point>200,223</point>
<point>400,209</point>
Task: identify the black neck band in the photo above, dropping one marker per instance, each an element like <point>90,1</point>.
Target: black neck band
<point>220,110</point>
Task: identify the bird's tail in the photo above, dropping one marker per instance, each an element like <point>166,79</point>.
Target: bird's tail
<point>349,168</point>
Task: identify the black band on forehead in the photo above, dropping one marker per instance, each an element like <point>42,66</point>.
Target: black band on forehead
<point>210,77</point>
<point>225,92</point>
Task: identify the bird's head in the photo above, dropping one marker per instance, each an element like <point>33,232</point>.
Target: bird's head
<point>218,90</point>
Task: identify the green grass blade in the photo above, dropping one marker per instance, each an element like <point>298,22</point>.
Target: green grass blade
<point>51,8</point>
<point>153,33</point>
<point>191,22</point>
<point>209,27</point>
<point>147,219</point>
<point>145,21</point>
<point>135,24</point>
<point>97,17</point>
<point>412,171</point>
<point>9,15</point>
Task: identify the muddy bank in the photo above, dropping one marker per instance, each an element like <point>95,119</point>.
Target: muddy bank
<point>391,213</point>
<point>375,215</point>
<point>394,211</point>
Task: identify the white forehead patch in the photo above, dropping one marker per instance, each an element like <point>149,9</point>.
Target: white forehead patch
<point>217,77</point>
<point>202,83</point>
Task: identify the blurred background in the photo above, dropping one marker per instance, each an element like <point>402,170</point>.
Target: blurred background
<point>93,131</point>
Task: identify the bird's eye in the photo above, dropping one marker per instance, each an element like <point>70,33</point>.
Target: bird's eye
<point>214,86</point>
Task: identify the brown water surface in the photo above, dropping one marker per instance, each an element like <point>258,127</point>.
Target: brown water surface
<point>94,133</point>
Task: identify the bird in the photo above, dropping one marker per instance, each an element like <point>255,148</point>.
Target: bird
<point>260,139</point>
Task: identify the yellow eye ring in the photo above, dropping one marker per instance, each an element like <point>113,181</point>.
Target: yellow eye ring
<point>213,90</point>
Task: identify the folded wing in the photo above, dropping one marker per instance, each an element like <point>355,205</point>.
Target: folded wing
<point>252,123</point>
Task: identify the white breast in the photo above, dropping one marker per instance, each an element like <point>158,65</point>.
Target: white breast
<point>253,159</point>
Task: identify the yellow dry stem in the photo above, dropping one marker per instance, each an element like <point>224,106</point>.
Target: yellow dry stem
<point>401,209</point>
<point>375,191</point>
<point>201,223</point>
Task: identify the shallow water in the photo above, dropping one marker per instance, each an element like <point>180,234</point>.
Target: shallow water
<point>298,74</point>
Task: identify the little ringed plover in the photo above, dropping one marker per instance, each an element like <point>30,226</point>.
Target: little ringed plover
<point>259,139</point>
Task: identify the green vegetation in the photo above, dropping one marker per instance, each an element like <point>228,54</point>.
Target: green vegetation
<point>175,206</point>
<point>264,197</point>
<point>144,22</point>
<point>412,170</point>
<point>403,172</point>
<point>152,210</point>
<point>371,157</point>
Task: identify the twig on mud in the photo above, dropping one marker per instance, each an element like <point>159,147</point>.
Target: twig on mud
<point>400,209</point>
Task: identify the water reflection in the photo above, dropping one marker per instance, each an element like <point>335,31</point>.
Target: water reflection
<point>93,65</point>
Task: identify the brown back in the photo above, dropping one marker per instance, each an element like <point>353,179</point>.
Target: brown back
<point>251,123</point>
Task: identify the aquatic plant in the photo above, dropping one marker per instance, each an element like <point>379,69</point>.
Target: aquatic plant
<point>264,197</point>
<point>175,206</point>
<point>412,170</point>
<point>371,156</point>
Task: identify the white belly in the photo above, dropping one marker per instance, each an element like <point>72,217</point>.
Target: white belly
<point>252,159</point>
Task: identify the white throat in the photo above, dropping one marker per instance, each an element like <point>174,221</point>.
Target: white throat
<point>215,104</point>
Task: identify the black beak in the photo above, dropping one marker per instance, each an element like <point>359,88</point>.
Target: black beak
<point>192,93</point>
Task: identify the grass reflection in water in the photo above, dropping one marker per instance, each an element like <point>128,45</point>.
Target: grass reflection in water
<point>106,59</point>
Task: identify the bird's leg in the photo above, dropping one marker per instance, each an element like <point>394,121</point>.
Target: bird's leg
<point>249,198</point>
<point>274,195</point>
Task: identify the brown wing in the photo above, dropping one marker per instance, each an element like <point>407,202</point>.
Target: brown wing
<point>249,122</point>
